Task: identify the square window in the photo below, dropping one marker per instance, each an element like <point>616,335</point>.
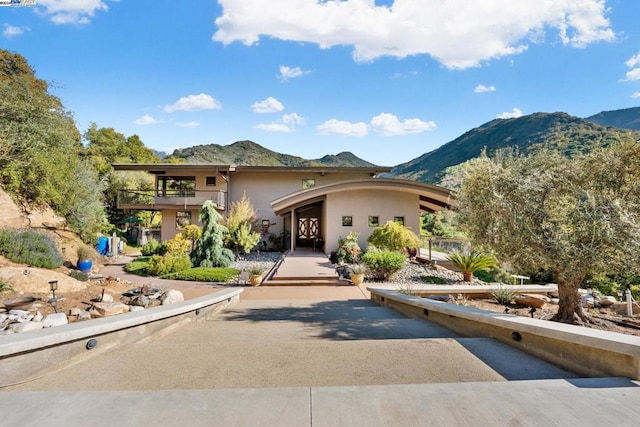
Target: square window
<point>182,219</point>
<point>373,221</point>
<point>347,221</point>
<point>399,219</point>
<point>308,183</point>
<point>211,181</point>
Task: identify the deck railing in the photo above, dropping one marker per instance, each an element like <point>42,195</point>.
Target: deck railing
<point>153,198</point>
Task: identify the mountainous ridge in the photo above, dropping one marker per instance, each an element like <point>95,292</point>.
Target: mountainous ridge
<point>559,130</point>
<point>252,154</point>
<point>627,118</point>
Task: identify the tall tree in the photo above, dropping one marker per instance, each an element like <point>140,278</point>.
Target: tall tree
<point>40,147</point>
<point>210,250</point>
<point>568,216</point>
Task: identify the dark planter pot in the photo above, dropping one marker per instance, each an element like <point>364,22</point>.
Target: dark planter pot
<point>85,266</point>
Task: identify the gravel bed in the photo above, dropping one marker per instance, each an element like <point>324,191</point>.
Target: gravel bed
<point>264,260</point>
<point>413,272</point>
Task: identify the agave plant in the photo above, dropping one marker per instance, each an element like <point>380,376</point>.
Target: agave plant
<point>469,263</point>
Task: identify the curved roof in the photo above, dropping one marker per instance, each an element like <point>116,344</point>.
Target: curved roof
<point>432,197</point>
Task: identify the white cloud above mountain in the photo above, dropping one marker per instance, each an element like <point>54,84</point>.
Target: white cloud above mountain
<point>146,120</point>
<point>269,105</point>
<point>385,124</point>
<point>513,114</point>
<point>194,103</point>
<point>12,30</point>
<point>286,124</point>
<point>483,89</point>
<point>287,73</point>
<point>463,34</point>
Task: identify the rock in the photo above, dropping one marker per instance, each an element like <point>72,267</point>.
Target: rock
<point>75,311</point>
<point>136,308</point>
<point>55,319</point>
<point>38,317</point>
<point>607,301</point>
<point>5,323</point>
<point>3,317</point>
<point>84,315</point>
<point>107,298</point>
<point>531,300</point>
<point>26,327</point>
<point>20,313</point>
<point>110,308</point>
<point>172,296</point>
<point>140,301</point>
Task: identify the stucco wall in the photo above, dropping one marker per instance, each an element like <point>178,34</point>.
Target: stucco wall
<point>262,188</point>
<point>360,205</point>
<point>168,230</point>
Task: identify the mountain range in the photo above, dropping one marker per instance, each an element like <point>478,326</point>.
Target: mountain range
<point>560,131</point>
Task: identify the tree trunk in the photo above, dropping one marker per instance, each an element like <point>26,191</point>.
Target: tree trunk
<point>570,304</point>
<point>466,276</point>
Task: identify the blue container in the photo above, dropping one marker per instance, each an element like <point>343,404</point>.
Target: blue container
<point>103,245</point>
<point>85,266</point>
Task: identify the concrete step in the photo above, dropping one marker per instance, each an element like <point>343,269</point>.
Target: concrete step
<point>306,282</point>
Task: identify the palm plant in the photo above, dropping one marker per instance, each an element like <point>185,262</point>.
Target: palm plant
<point>471,262</point>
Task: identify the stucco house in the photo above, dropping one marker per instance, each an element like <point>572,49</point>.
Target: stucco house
<point>304,206</point>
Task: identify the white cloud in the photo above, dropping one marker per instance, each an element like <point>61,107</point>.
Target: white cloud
<point>287,124</point>
<point>287,73</point>
<point>636,95</point>
<point>483,88</point>
<point>188,124</point>
<point>510,114</point>
<point>633,61</point>
<point>389,125</point>
<point>146,120</point>
<point>11,31</point>
<point>274,127</point>
<point>632,75</point>
<point>194,103</point>
<point>458,33</point>
<point>340,127</point>
<point>71,11</point>
<point>269,105</point>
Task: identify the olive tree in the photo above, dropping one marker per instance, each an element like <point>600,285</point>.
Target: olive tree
<point>570,216</point>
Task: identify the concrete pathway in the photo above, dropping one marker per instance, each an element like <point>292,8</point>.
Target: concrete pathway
<point>334,360</point>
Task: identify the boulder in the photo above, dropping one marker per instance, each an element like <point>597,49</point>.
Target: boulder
<point>84,315</point>
<point>136,308</point>
<point>172,296</point>
<point>38,317</point>
<point>110,308</point>
<point>532,300</point>
<point>25,327</point>
<point>607,301</point>
<point>140,301</point>
<point>55,319</point>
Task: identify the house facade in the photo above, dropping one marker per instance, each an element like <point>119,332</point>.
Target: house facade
<point>296,206</point>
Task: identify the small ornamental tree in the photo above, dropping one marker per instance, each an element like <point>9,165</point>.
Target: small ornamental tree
<point>394,236</point>
<point>242,217</point>
<point>210,250</point>
<point>570,216</point>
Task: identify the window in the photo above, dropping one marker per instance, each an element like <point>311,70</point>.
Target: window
<point>308,183</point>
<point>176,186</point>
<point>182,220</point>
<point>347,221</point>
<point>373,221</point>
<point>399,219</point>
<point>211,181</point>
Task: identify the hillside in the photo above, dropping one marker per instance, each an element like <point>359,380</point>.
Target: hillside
<point>628,118</point>
<point>567,133</point>
<point>252,154</point>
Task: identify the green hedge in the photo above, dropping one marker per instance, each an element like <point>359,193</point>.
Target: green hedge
<point>382,264</point>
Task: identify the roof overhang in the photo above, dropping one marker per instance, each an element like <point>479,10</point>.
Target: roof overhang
<point>161,168</point>
<point>432,197</point>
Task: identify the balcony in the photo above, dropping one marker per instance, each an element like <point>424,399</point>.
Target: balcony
<point>159,200</point>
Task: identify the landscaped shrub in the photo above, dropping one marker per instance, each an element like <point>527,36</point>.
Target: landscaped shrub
<point>30,247</point>
<point>503,295</point>
<point>209,250</point>
<point>153,247</point>
<point>348,249</point>
<point>433,279</point>
<point>383,264</point>
<point>79,275</point>
<point>178,244</point>
<point>5,287</point>
<point>471,262</point>
<point>172,262</point>
<point>394,236</point>
<point>219,274</point>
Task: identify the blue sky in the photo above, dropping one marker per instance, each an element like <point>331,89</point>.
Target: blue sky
<point>385,80</point>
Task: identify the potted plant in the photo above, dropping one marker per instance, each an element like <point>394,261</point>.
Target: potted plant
<point>357,273</point>
<point>255,275</point>
<point>84,263</point>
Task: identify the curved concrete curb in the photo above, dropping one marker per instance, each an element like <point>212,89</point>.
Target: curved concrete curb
<point>24,355</point>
